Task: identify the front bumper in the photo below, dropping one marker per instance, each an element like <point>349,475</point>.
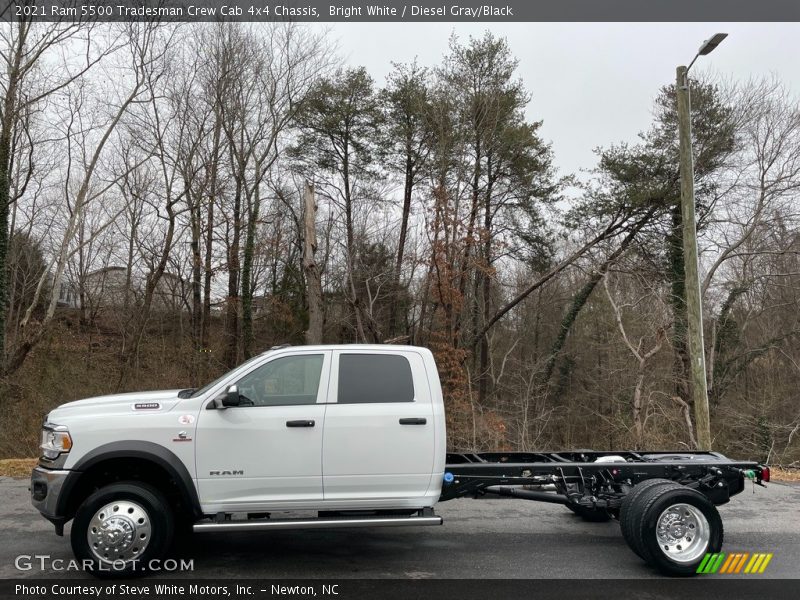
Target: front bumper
<point>46,486</point>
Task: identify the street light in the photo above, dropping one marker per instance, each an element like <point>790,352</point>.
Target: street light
<point>694,301</point>
<point>708,46</point>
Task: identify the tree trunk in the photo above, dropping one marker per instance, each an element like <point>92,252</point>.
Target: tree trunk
<point>638,423</point>
<point>82,295</point>
<point>247,266</point>
<point>675,273</point>
<point>232,308</point>
<point>6,133</point>
<point>401,244</point>
<point>207,270</point>
<point>486,278</point>
<point>464,267</point>
<point>311,270</point>
<point>128,292</point>
<point>355,302</point>
<point>197,303</point>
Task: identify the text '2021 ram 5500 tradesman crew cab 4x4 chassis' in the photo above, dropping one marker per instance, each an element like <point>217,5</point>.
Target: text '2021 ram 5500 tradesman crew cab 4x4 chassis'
<point>353,434</point>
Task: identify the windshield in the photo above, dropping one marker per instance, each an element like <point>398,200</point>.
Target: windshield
<point>208,386</point>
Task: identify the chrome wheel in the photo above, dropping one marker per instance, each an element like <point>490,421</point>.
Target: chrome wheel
<point>683,533</point>
<point>119,531</point>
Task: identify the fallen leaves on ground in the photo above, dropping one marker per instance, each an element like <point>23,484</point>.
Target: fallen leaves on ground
<point>779,474</point>
<point>17,467</point>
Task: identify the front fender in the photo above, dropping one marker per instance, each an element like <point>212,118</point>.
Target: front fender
<point>130,449</point>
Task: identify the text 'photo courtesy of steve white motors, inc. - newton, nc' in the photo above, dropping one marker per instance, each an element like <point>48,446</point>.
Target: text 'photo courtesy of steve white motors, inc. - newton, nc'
<point>167,590</point>
<point>182,10</point>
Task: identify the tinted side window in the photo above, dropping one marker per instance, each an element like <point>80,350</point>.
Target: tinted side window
<point>374,378</point>
<point>283,381</point>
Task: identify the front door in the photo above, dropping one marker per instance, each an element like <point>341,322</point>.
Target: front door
<point>268,450</point>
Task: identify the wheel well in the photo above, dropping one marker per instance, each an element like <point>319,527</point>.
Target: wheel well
<point>114,470</point>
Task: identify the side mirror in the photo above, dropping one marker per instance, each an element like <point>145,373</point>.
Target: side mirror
<point>231,397</point>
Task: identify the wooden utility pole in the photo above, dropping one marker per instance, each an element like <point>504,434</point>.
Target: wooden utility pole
<point>694,302</point>
<point>313,276</point>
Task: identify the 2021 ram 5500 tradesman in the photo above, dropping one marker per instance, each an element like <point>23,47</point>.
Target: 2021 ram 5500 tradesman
<point>353,433</point>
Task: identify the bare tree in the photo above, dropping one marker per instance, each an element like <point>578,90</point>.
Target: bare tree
<point>33,70</point>
<point>642,356</point>
<point>145,48</point>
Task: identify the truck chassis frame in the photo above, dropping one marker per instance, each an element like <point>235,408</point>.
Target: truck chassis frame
<point>591,479</point>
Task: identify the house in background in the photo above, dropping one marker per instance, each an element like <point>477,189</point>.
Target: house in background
<point>107,287</point>
<point>172,293</point>
<point>68,296</point>
<point>110,287</point>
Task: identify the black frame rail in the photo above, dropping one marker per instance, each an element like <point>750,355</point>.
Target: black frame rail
<point>575,477</point>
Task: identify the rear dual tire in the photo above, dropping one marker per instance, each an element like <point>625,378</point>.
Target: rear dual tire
<point>670,526</point>
<point>630,504</point>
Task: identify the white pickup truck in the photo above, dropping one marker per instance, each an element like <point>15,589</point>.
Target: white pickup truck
<point>354,434</point>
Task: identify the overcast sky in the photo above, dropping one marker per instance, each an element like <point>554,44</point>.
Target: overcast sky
<point>592,83</point>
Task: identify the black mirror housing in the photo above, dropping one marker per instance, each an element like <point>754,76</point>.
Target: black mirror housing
<point>231,397</point>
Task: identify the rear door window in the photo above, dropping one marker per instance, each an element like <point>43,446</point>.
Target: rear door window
<point>374,378</point>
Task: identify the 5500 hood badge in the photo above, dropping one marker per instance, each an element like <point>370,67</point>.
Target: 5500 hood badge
<point>146,406</point>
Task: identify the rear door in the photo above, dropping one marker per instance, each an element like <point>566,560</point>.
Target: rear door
<point>379,433</point>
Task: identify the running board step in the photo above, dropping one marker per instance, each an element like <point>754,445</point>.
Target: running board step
<point>331,523</point>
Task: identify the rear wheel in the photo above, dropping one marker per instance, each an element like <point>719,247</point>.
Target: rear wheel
<point>675,527</point>
<point>120,528</point>
<point>629,506</point>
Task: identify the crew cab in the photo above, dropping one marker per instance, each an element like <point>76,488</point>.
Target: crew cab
<point>354,434</point>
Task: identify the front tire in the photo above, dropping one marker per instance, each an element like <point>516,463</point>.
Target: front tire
<point>121,528</point>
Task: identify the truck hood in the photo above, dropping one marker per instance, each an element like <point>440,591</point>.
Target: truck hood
<point>132,402</point>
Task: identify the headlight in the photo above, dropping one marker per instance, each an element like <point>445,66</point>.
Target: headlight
<point>55,441</point>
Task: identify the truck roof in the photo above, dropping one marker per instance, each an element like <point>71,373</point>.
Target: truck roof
<point>370,347</point>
